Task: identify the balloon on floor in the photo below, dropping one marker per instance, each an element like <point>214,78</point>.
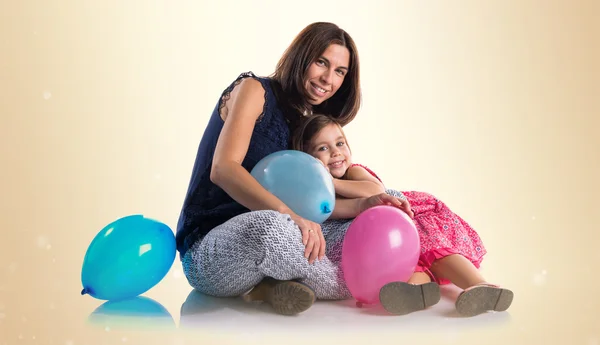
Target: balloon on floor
<point>127,258</point>
<point>380,246</point>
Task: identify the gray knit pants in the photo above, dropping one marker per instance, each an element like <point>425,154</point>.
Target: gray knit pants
<point>235,256</point>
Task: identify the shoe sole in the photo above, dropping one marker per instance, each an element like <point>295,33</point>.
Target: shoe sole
<point>401,298</point>
<point>290,298</point>
<point>481,299</point>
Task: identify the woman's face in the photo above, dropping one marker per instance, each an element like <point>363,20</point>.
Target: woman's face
<point>325,75</point>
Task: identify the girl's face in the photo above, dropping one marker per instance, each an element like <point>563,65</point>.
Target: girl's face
<point>330,147</point>
<point>325,75</point>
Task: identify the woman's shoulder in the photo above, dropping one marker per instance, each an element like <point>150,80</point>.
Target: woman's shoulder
<point>256,93</point>
<point>252,86</point>
<point>251,81</point>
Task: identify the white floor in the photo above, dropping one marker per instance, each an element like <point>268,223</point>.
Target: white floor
<point>201,311</point>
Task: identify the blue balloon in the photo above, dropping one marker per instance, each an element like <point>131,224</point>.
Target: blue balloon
<point>127,258</point>
<point>300,181</point>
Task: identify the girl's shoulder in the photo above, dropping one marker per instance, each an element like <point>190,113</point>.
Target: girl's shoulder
<point>366,168</point>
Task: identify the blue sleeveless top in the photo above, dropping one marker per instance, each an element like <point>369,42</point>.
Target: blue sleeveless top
<point>206,205</point>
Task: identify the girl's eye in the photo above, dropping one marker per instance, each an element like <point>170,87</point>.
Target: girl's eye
<point>341,72</point>
<point>341,143</point>
<point>322,148</point>
<point>320,63</point>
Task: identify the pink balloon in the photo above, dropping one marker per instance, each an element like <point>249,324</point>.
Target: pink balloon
<point>381,246</point>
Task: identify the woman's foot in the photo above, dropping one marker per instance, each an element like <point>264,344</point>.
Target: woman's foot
<point>481,298</point>
<point>287,297</point>
<point>401,298</point>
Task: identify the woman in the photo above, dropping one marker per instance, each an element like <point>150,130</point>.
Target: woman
<point>236,238</point>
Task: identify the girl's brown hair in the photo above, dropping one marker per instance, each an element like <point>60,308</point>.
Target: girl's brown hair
<point>289,75</point>
<point>309,127</point>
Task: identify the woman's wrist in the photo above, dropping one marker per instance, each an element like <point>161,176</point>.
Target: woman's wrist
<point>284,209</point>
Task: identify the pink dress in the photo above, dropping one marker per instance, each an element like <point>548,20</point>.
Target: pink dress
<point>441,231</point>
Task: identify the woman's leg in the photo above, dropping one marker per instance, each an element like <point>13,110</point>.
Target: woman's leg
<point>237,255</point>
<point>326,275</point>
<point>478,296</point>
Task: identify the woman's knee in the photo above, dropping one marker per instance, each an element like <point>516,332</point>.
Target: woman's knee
<point>396,193</point>
<point>265,227</point>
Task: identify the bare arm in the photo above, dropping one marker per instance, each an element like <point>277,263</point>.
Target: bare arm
<point>346,208</point>
<point>350,208</point>
<point>245,105</point>
<point>363,191</point>
<point>359,183</point>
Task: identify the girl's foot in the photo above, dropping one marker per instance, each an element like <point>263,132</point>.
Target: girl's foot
<point>285,296</point>
<point>483,297</point>
<point>402,298</point>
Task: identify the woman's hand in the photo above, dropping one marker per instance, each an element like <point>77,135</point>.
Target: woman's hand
<point>388,200</point>
<point>312,238</point>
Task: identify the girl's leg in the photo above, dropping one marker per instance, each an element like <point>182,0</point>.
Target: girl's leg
<point>457,269</point>
<point>419,278</point>
<point>478,296</point>
<point>418,293</point>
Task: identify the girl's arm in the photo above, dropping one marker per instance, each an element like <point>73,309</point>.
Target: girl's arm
<point>350,208</point>
<point>358,183</point>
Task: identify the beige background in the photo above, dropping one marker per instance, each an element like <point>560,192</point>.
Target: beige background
<point>491,106</point>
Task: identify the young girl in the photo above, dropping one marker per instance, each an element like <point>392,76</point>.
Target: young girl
<point>451,251</point>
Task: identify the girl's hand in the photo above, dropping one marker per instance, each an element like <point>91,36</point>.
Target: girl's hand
<point>388,200</point>
<point>312,238</point>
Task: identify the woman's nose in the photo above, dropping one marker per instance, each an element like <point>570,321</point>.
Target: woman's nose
<point>327,76</point>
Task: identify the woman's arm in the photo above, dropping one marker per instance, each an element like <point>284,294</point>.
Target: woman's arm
<point>359,183</point>
<point>245,105</point>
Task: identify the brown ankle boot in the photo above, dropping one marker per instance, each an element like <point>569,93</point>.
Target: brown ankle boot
<point>287,297</point>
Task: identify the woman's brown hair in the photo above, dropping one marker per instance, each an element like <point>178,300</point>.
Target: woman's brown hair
<point>291,70</point>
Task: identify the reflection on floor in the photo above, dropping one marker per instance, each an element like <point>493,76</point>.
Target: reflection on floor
<point>200,312</point>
